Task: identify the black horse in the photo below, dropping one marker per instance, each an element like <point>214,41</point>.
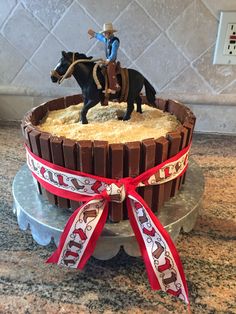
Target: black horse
<point>83,73</point>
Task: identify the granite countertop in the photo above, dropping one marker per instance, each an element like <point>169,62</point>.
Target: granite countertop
<point>120,285</point>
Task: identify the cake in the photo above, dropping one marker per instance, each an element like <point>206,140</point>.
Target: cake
<point>117,177</point>
<point>107,152</point>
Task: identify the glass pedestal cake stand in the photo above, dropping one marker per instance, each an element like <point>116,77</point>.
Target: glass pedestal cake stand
<point>46,221</point>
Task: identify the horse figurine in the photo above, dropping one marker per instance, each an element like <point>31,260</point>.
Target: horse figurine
<point>83,69</point>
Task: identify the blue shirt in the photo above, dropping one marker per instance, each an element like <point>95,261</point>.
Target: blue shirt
<point>114,47</point>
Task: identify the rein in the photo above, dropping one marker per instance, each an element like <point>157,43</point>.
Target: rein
<point>70,70</point>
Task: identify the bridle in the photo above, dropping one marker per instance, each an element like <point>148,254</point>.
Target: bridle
<point>70,69</point>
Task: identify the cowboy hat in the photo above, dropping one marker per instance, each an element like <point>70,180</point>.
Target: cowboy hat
<point>107,27</point>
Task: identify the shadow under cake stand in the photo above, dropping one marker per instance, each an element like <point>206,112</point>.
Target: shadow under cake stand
<point>46,221</point>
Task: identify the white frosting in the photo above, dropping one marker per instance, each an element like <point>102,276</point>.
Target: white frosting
<point>104,123</point>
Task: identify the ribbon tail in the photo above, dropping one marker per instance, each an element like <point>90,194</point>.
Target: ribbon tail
<point>81,232</point>
<point>163,265</point>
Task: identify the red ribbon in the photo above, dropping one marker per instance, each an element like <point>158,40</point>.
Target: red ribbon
<point>82,230</point>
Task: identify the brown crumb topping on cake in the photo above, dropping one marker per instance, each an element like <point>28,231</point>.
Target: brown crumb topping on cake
<point>104,123</point>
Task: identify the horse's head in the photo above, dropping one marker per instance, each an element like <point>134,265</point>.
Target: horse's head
<point>67,59</point>
<point>62,66</point>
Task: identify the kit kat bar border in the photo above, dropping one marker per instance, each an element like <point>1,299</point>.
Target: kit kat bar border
<point>96,157</point>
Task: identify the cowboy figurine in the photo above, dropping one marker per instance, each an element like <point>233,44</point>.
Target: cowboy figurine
<point>111,46</point>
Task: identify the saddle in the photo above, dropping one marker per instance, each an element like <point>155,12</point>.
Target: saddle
<point>124,84</point>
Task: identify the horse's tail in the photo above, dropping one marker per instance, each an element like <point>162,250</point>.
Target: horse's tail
<point>150,92</point>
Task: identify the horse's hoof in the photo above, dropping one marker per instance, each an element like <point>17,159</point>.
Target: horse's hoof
<point>126,118</point>
<point>84,121</point>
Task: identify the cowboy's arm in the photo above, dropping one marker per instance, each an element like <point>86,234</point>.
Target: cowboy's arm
<point>114,49</point>
<point>98,36</point>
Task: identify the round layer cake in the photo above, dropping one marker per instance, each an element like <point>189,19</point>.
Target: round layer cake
<point>109,147</point>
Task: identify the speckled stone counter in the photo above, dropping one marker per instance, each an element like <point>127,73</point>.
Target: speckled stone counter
<point>120,285</point>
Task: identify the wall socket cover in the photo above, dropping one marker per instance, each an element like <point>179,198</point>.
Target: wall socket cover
<point>225,49</point>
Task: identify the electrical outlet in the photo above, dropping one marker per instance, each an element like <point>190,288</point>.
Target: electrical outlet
<point>225,49</point>
<point>230,40</point>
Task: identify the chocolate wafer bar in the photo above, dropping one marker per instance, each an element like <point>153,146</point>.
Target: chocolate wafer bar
<point>73,100</point>
<point>35,148</point>
<point>100,155</point>
<point>56,104</point>
<point>69,153</point>
<point>189,126</point>
<point>57,158</point>
<point>116,157</point>
<point>132,163</point>
<point>46,154</point>
<point>148,155</point>
<point>174,146</point>
<point>84,156</point>
<point>177,109</point>
<point>162,145</point>
<point>184,134</point>
<point>161,104</point>
<point>38,114</point>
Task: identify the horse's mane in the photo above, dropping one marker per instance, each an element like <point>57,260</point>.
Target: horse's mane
<point>79,55</point>
<point>83,56</point>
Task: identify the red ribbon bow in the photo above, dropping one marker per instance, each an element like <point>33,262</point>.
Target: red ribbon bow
<point>82,230</point>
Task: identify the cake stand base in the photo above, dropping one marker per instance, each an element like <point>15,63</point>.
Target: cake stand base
<point>46,221</point>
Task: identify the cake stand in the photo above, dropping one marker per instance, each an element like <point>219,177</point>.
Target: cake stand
<point>46,221</point>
